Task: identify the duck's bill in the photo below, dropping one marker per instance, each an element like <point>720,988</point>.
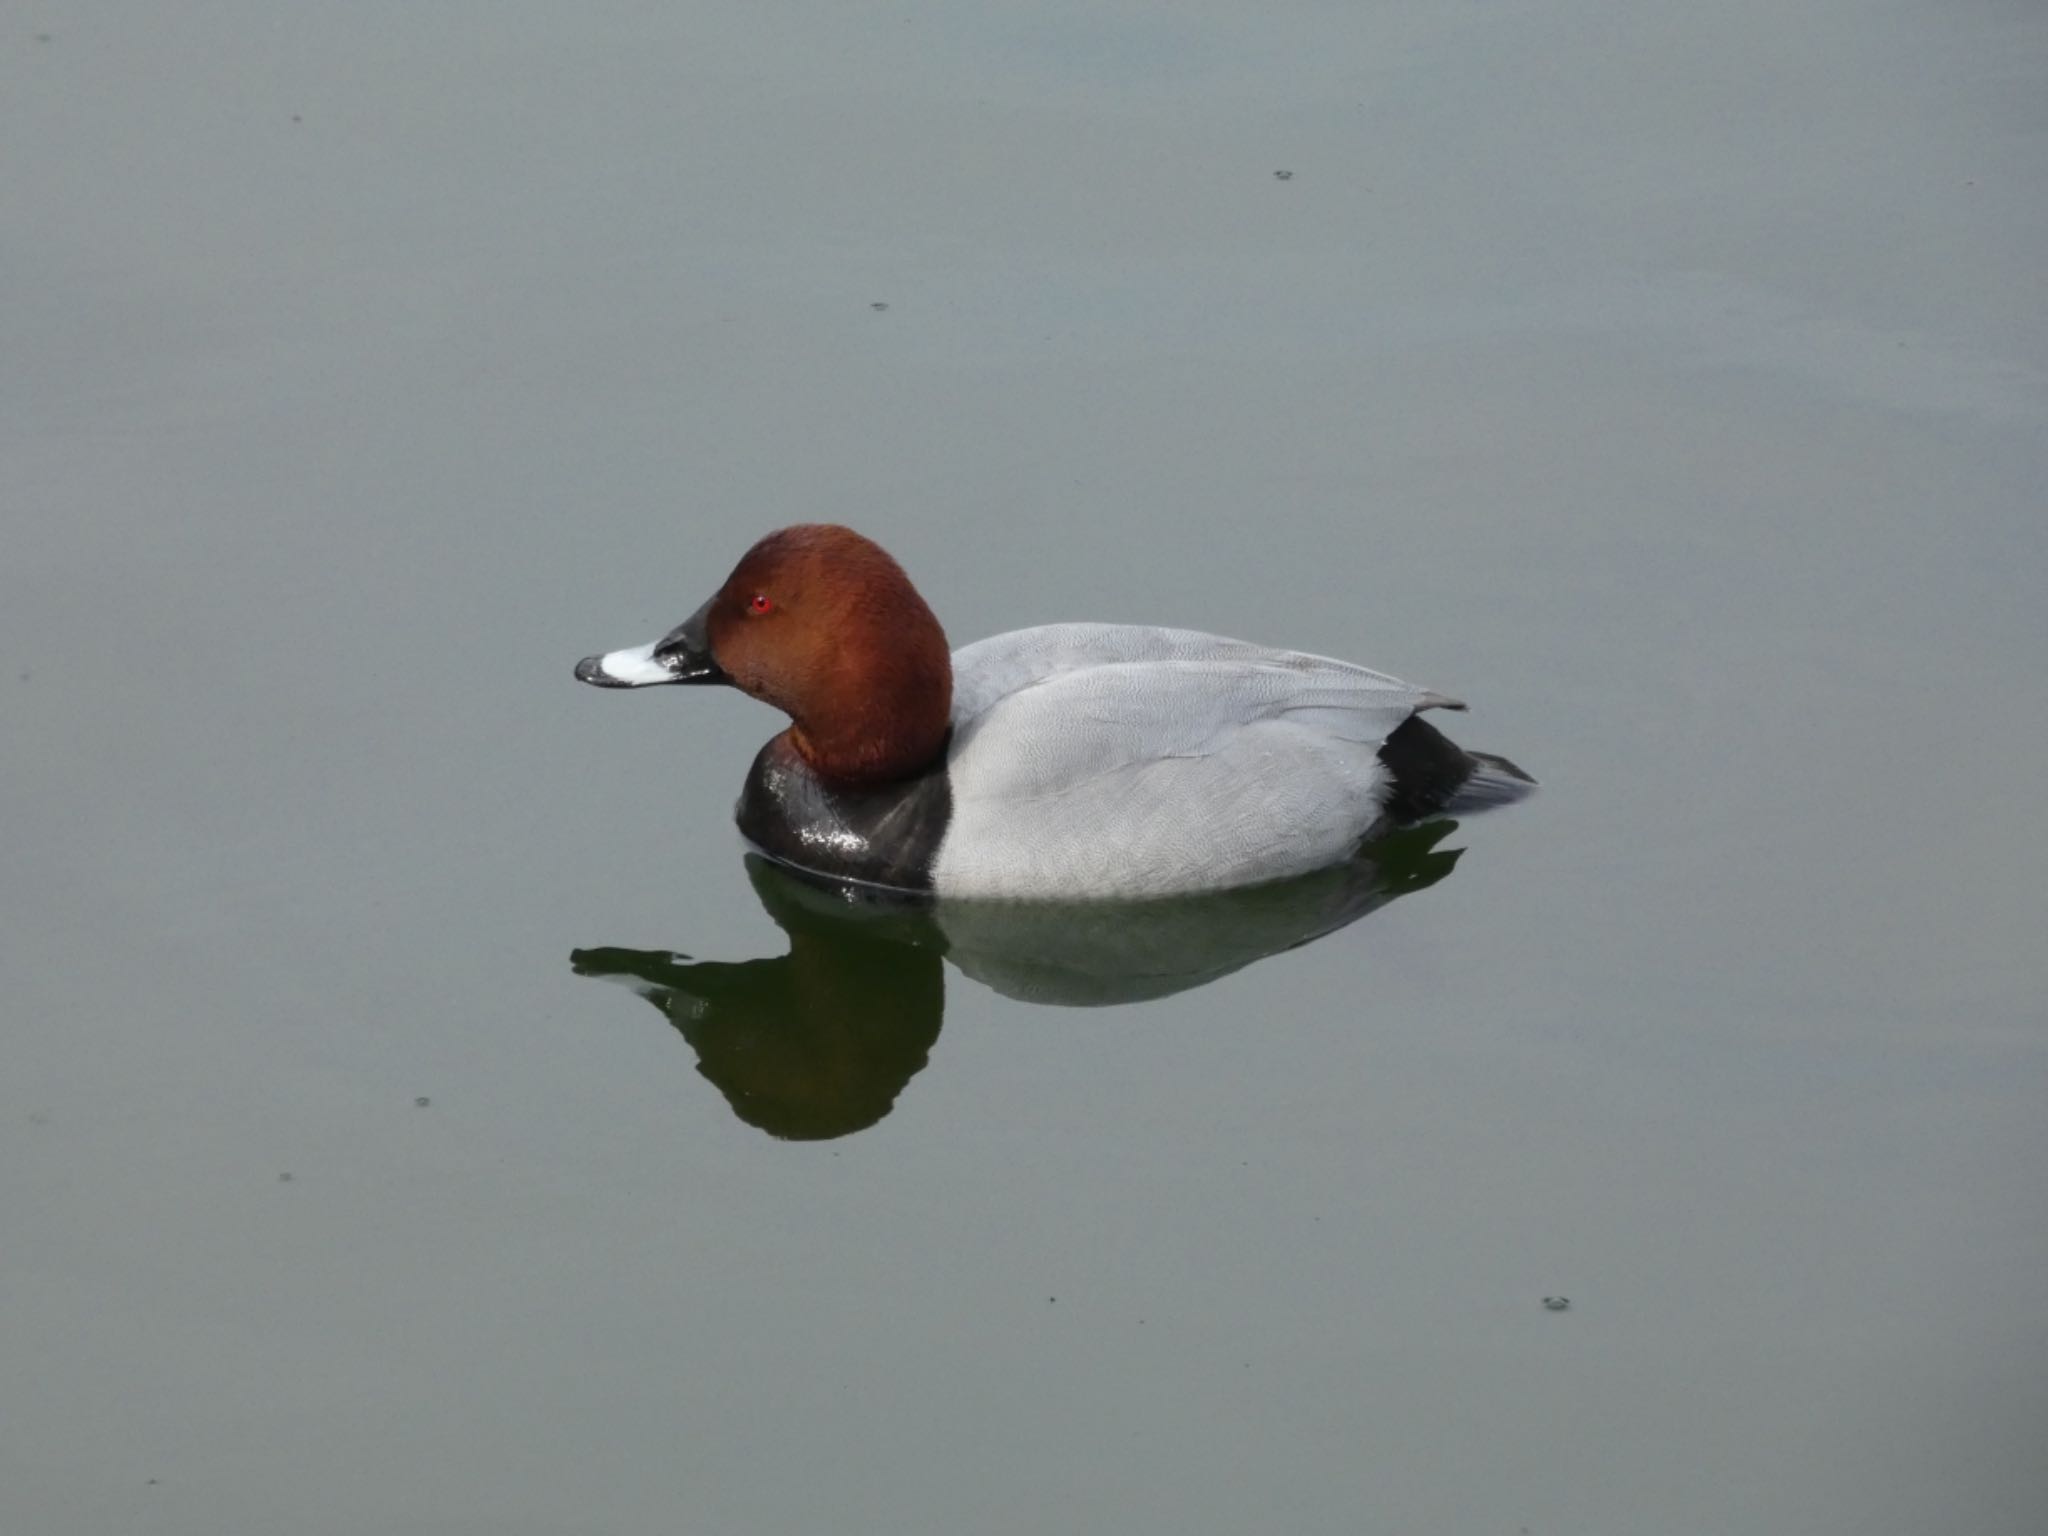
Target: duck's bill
<point>683,655</point>
<point>632,668</point>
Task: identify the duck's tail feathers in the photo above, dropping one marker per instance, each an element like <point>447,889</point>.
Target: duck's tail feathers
<point>1493,781</point>
<point>1431,775</point>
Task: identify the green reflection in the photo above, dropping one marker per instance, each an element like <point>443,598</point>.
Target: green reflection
<point>809,1045</point>
<point>818,1043</point>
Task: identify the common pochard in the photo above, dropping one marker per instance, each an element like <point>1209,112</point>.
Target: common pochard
<point>1069,760</point>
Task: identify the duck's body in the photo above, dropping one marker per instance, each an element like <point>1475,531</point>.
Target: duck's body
<point>1071,760</point>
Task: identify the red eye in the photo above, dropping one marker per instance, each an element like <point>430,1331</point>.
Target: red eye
<point>759,603</point>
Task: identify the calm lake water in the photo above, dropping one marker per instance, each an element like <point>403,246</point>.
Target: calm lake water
<point>1672,387</point>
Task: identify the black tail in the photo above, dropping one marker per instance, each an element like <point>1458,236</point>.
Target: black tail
<point>1433,774</point>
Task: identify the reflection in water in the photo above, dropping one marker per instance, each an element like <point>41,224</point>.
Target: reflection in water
<point>809,1045</point>
<point>817,1043</point>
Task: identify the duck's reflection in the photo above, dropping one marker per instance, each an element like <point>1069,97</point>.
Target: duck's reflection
<point>818,1043</point>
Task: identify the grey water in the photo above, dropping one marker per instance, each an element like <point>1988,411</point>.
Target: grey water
<point>1671,385</point>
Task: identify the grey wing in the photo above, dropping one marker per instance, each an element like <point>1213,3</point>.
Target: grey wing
<point>1046,711</point>
<point>998,666</point>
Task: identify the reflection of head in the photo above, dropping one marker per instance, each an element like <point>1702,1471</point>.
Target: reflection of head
<point>809,1045</point>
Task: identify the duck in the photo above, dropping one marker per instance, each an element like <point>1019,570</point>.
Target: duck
<point>1060,762</point>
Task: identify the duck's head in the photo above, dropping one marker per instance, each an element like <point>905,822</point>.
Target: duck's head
<point>821,623</point>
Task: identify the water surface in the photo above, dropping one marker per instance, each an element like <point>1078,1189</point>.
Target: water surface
<point>1670,386</point>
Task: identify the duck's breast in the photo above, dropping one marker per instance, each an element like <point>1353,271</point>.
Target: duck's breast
<point>1120,760</point>
<point>888,835</point>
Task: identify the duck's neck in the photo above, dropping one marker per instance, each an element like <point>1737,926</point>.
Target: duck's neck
<point>886,715</point>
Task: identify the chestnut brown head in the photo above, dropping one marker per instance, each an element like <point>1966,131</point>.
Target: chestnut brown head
<point>820,622</point>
